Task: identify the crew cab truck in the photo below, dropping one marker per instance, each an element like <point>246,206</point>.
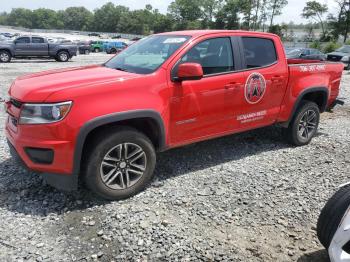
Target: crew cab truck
<point>36,47</point>
<point>103,124</point>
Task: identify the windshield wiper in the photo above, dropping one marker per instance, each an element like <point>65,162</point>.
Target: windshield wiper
<point>121,69</point>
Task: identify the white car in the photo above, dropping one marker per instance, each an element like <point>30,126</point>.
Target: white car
<point>333,226</point>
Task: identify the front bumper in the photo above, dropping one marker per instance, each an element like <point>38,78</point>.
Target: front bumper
<point>59,181</point>
<point>44,139</point>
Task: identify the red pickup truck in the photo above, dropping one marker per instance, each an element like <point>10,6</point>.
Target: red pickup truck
<point>103,124</point>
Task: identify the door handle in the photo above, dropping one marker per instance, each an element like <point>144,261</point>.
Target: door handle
<point>232,85</point>
<point>276,79</point>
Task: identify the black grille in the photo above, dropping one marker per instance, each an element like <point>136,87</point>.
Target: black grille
<point>16,103</point>
<point>334,58</point>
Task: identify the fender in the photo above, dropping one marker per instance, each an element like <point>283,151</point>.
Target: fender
<point>305,92</point>
<point>113,118</point>
<point>70,182</point>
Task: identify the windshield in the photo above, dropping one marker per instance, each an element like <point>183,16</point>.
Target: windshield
<point>293,52</point>
<point>148,54</point>
<point>344,49</point>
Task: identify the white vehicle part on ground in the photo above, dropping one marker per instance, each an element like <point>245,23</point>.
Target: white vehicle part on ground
<point>341,237</point>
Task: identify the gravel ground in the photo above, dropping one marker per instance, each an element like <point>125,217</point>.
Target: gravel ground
<point>247,197</point>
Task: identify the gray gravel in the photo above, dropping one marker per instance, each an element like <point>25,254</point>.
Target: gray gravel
<point>247,197</point>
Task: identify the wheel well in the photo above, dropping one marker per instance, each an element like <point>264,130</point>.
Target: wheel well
<point>62,50</point>
<point>7,50</point>
<point>146,125</point>
<point>319,97</point>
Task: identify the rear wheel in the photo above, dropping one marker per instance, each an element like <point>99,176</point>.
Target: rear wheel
<point>96,50</point>
<point>63,56</point>
<point>304,124</point>
<point>113,51</point>
<point>87,52</point>
<point>120,164</point>
<point>5,56</point>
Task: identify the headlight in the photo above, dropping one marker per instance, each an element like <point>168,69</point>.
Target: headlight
<point>345,59</point>
<point>44,113</point>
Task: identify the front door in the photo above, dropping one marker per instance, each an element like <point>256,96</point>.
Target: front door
<point>203,108</point>
<point>22,45</point>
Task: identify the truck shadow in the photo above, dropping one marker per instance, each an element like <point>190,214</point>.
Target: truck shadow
<point>24,192</point>
<point>317,256</point>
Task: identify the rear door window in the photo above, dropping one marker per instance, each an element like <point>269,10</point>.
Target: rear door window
<point>258,52</point>
<point>38,40</point>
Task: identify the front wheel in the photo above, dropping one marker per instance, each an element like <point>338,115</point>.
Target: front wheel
<point>63,56</point>
<point>120,164</point>
<point>96,50</point>
<point>87,51</point>
<point>5,57</point>
<point>304,124</point>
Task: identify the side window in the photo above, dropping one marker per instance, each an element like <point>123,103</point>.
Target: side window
<point>215,56</point>
<point>23,40</point>
<point>37,40</point>
<point>259,52</point>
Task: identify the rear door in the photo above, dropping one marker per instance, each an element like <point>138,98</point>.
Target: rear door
<point>22,46</point>
<point>39,47</point>
<point>266,77</point>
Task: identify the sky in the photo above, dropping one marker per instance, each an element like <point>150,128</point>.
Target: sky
<point>290,13</point>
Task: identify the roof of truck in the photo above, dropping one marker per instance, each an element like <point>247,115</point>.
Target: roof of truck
<point>207,32</point>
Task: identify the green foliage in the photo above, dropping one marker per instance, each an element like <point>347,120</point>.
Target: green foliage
<point>316,44</point>
<point>347,42</point>
<point>315,10</point>
<point>182,14</point>
<point>330,47</point>
<point>340,22</point>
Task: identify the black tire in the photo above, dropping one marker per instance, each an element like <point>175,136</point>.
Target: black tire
<point>62,56</point>
<point>101,147</point>
<point>96,50</point>
<point>113,51</point>
<point>5,56</point>
<point>86,52</point>
<point>292,134</point>
<point>332,214</point>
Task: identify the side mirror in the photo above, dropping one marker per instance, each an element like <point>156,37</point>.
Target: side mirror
<point>189,71</point>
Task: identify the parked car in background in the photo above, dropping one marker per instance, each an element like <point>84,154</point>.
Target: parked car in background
<point>94,34</point>
<point>96,46</point>
<point>305,53</point>
<point>114,47</point>
<point>341,54</point>
<point>84,47</point>
<point>8,35</point>
<point>333,226</point>
<point>36,46</point>
<point>116,37</point>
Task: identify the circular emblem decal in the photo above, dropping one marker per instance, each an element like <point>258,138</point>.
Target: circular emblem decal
<point>255,88</point>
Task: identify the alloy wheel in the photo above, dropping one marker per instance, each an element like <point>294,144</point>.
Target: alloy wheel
<point>123,166</point>
<point>308,124</point>
<point>4,57</point>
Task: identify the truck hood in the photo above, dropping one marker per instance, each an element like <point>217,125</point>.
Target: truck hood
<point>39,86</point>
<point>339,54</point>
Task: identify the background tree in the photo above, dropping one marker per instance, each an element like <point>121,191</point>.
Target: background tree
<point>20,17</point>
<point>228,16</point>
<point>316,11</point>
<point>340,22</point>
<point>186,13</point>
<point>275,7</point>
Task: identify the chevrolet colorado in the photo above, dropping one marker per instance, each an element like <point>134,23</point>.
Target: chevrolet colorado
<point>103,124</point>
<point>36,46</point>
